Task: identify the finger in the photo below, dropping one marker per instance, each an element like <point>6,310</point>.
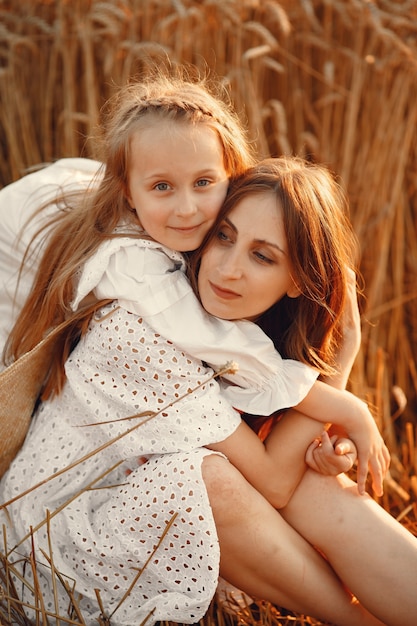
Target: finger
<point>387,458</point>
<point>317,460</point>
<point>331,464</point>
<point>345,446</point>
<point>384,458</point>
<point>309,456</point>
<point>377,478</point>
<point>362,472</point>
<point>378,486</point>
<point>326,443</point>
<point>342,448</point>
<point>351,458</point>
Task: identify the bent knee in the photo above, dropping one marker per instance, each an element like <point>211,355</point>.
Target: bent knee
<point>226,487</point>
<point>218,473</point>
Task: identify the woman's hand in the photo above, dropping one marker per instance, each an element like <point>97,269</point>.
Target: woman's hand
<point>372,453</point>
<point>331,455</point>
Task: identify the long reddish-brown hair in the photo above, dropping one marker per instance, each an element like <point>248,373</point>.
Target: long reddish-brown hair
<point>73,234</point>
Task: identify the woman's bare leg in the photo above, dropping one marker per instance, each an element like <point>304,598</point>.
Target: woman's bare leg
<point>370,551</point>
<point>262,555</point>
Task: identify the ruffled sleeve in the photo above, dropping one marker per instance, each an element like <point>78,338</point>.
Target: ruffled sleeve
<point>148,280</point>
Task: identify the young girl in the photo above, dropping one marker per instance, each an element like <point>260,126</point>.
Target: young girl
<point>165,139</point>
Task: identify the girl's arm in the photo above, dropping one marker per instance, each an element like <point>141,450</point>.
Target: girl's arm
<point>259,464</point>
<point>265,465</point>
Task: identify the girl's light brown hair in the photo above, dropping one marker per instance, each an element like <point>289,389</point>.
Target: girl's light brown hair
<point>322,248</point>
<point>74,234</point>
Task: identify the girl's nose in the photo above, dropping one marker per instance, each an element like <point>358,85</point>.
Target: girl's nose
<point>186,205</point>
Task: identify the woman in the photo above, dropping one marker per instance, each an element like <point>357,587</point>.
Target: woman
<point>263,233</point>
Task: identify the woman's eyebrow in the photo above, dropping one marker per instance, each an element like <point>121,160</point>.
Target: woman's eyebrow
<point>260,241</point>
<point>272,245</point>
<point>230,223</point>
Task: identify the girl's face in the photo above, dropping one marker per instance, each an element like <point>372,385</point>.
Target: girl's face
<point>177,182</point>
<point>246,268</point>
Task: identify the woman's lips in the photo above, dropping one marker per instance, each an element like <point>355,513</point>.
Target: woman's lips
<point>225,294</point>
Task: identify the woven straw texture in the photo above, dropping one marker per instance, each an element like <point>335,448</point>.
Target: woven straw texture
<point>20,386</point>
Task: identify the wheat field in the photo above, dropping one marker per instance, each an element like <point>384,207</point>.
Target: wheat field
<point>333,81</point>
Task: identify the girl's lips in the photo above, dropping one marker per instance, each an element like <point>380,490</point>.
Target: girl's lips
<point>187,229</point>
<point>226,294</point>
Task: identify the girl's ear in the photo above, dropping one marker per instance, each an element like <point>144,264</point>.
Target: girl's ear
<point>293,291</point>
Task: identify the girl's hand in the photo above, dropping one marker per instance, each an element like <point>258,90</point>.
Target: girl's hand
<point>331,455</point>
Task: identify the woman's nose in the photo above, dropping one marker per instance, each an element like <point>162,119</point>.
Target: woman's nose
<point>230,265</point>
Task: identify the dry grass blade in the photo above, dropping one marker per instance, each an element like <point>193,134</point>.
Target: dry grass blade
<point>142,569</point>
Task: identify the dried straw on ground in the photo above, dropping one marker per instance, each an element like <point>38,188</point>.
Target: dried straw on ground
<point>334,81</point>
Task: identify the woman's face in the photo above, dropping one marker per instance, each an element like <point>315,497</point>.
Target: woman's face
<point>246,268</point>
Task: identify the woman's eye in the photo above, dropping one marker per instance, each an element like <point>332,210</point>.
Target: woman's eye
<point>263,258</point>
<point>162,186</point>
<point>222,236</point>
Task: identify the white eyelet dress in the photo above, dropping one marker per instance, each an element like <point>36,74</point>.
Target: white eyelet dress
<point>105,529</point>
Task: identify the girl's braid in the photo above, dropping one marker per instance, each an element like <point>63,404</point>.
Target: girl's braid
<point>182,106</point>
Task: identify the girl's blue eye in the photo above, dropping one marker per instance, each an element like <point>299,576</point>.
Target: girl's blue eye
<point>203,182</point>
<point>162,186</point>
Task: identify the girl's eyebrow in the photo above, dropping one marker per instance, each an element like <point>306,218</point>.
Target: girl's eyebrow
<point>210,171</point>
<point>261,241</point>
